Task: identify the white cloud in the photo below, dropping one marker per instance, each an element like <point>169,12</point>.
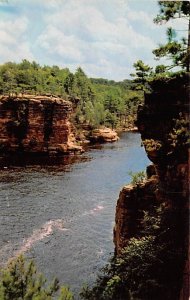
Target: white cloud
<point>103,37</point>
<point>12,39</point>
<point>140,17</point>
<point>56,42</point>
<point>78,32</point>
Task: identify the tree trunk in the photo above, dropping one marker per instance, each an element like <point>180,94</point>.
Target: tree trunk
<point>188,49</point>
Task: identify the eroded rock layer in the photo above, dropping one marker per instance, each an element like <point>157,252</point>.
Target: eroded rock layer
<point>36,124</point>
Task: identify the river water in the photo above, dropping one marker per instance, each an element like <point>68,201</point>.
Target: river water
<point>63,216</point>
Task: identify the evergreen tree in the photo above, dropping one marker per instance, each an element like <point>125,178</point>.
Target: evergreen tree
<point>20,280</point>
<point>142,73</point>
<point>178,51</point>
<point>68,84</point>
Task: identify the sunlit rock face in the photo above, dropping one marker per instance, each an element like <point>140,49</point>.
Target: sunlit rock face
<point>103,135</point>
<point>163,122</point>
<point>130,210</point>
<point>36,124</point>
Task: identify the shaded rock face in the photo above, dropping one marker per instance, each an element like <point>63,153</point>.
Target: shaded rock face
<point>163,122</point>
<point>35,124</point>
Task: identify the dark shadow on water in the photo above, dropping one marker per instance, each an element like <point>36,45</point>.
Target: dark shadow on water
<point>40,161</point>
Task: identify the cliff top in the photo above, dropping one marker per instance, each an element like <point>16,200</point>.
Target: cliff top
<point>35,98</point>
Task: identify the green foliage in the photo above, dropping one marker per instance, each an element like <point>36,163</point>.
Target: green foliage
<point>160,69</point>
<point>29,77</point>
<point>104,102</point>
<point>142,73</point>
<point>173,50</point>
<point>172,9</point>
<point>179,137</point>
<point>66,294</point>
<point>150,267</point>
<point>152,145</point>
<point>120,102</point>
<point>137,178</point>
<point>176,50</point>
<point>100,101</point>
<point>20,281</point>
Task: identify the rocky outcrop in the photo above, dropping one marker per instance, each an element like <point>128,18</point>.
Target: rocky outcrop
<point>130,210</point>
<point>103,135</point>
<point>163,122</point>
<point>36,124</point>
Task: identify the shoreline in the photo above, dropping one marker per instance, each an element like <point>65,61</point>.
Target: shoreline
<point>31,159</point>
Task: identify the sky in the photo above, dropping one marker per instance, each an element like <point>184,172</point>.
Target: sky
<point>104,37</point>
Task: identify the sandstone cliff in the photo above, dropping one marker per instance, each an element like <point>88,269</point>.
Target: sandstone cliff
<point>36,124</point>
<point>163,124</point>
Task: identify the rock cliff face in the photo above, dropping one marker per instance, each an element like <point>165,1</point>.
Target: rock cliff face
<point>163,124</point>
<point>129,211</point>
<point>36,124</point>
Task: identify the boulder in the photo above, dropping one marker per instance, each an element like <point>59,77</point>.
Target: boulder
<point>104,135</point>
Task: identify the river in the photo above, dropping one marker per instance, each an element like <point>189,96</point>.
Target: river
<point>63,216</point>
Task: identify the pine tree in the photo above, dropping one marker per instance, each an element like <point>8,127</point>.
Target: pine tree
<point>142,73</point>
<point>178,51</point>
<point>20,280</point>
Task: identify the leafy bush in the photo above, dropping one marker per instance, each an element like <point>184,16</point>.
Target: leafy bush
<point>137,178</point>
<point>179,137</point>
<point>152,145</point>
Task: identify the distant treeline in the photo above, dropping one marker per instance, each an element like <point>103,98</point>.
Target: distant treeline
<point>100,101</point>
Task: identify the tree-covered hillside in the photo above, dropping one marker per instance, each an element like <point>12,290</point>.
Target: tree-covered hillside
<point>100,101</point>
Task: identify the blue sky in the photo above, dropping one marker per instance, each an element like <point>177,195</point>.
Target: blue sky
<point>104,37</point>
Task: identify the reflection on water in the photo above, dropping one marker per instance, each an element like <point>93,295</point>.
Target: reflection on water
<point>62,214</point>
<point>39,161</point>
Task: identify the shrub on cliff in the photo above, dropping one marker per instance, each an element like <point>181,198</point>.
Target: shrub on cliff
<point>179,137</point>
<point>137,178</point>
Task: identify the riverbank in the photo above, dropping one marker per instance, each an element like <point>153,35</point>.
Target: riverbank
<point>20,158</point>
